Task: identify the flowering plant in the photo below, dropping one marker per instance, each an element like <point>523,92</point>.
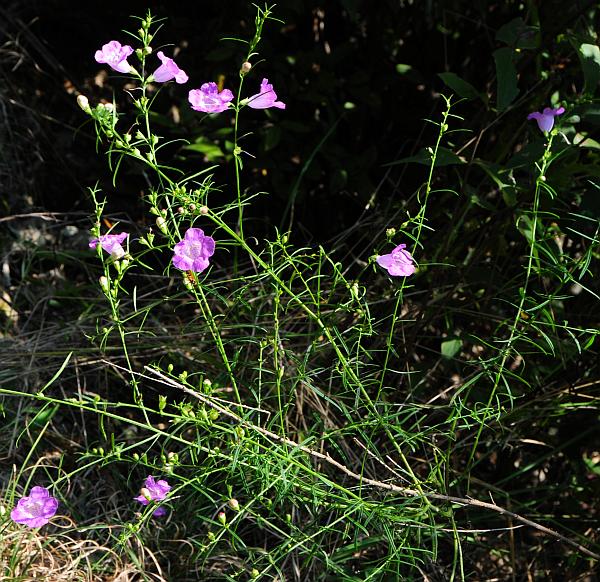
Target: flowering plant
<point>111,243</point>
<point>545,119</point>
<point>209,99</point>
<point>35,509</point>
<point>154,491</point>
<point>114,54</point>
<point>398,263</point>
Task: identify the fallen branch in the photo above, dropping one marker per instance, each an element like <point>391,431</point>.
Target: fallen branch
<point>464,501</point>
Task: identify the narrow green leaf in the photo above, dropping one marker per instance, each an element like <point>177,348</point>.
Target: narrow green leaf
<point>506,77</point>
<point>57,374</point>
<point>445,157</point>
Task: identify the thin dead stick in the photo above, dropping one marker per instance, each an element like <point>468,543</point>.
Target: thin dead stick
<point>465,501</point>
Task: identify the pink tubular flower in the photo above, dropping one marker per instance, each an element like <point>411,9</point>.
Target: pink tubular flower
<point>266,98</point>
<point>168,70</point>
<point>192,253</point>
<point>36,509</point>
<point>154,491</point>
<point>209,99</point>
<point>111,243</point>
<point>115,56</point>
<point>545,119</point>
<point>399,263</point>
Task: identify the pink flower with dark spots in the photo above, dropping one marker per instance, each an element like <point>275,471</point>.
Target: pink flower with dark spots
<point>192,253</point>
<point>36,509</point>
<point>154,491</point>
<point>266,98</point>
<point>111,243</point>
<point>545,119</point>
<point>209,99</point>
<point>168,70</point>
<point>115,56</point>
<point>399,263</point>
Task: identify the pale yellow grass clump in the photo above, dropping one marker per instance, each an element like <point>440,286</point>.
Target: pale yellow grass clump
<point>28,555</point>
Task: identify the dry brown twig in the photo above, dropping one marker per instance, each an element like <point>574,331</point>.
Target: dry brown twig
<point>464,501</point>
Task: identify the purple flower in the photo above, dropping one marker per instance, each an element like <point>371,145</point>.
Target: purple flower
<point>399,263</point>
<point>192,253</point>
<point>209,99</point>
<point>168,70</point>
<point>36,509</point>
<point>111,243</point>
<point>266,98</point>
<point>115,56</point>
<point>154,491</point>
<point>545,119</point>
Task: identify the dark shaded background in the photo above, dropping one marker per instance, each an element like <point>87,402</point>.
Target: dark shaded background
<point>330,62</point>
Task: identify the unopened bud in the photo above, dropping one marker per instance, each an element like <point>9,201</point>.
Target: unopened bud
<point>234,504</point>
<point>181,210</point>
<point>104,284</point>
<point>148,50</point>
<point>83,102</point>
<point>192,207</point>
<point>162,224</point>
<point>203,210</point>
<point>188,280</point>
<point>245,68</point>
<point>222,517</point>
<point>390,232</point>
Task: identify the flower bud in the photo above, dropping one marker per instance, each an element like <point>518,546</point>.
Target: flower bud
<point>390,232</point>
<point>148,50</point>
<point>146,493</point>
<point>104,284</point>
<point>83,102</point>
<point>203,210</point>
<point>188,283</point>
<point>245,68</point>
<point>162,224</point>
<point>234,504</point>
<point>222,517</point>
